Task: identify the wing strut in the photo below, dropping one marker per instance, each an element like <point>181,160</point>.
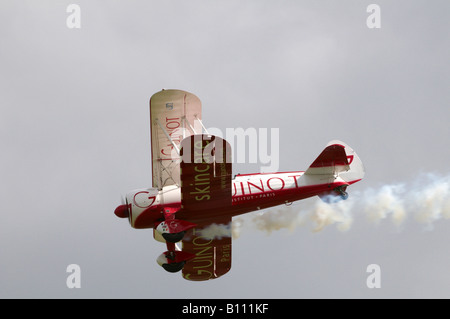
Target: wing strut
<point>201,123</point>
<point>190,126</point>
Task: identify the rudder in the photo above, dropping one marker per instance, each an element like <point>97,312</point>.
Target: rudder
<point>338,159</point>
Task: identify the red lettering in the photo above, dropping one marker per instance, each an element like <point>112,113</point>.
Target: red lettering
<point>282,183</point>
<point>256,186</point>
<point>164,153</point>
<point>172,127</point>
<point>152,199</point>
<point>295,179</point>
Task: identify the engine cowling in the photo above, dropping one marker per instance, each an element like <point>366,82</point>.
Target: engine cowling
<point>144,207</point>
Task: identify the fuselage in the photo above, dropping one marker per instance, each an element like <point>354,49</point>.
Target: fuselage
<point>250,192</point>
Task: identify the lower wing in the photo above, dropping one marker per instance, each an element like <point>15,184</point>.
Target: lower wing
<point>211,245</point>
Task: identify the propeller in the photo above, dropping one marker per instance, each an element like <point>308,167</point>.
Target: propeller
<point>122,210</point>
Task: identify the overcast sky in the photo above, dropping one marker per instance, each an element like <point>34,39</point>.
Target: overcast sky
<point>74,134</point>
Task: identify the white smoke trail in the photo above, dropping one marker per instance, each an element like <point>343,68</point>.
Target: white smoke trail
<point>216,231</point>
<point>434,202</point>
<point>388,200</point>
<point>427,200</point>
<point>324,214</point>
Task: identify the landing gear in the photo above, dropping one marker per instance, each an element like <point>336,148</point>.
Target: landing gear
<point>337,194</point>
<point>171,265</point>
<point>173,260</point>
<point>172,231</point>
<point>175,267</point>
<point>342,193</point>
<point>173,238</point>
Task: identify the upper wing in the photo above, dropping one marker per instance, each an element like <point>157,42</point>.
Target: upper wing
<point>173,115</point>
<point>205,176</point>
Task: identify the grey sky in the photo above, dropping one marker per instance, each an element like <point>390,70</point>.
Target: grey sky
<point>74,131</point>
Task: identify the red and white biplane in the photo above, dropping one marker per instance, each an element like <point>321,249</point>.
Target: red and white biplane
<point>193,189</point>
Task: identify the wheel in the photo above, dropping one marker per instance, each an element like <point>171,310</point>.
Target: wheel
<point>341,190</point>
<point>174,267</point>
<point>174,238</point>
<point>343,195</point>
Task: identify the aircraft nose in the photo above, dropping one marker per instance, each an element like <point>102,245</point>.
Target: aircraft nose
<point>121,211</point>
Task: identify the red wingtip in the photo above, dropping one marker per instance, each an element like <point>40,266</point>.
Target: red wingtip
<point>121,211</point>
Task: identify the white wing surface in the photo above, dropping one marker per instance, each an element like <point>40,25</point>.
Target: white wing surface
<point>174,115</point>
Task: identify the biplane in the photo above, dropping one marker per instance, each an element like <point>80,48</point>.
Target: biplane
<point>193,191</point>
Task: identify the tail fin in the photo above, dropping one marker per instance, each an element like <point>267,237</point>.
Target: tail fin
<point>338,159</point>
